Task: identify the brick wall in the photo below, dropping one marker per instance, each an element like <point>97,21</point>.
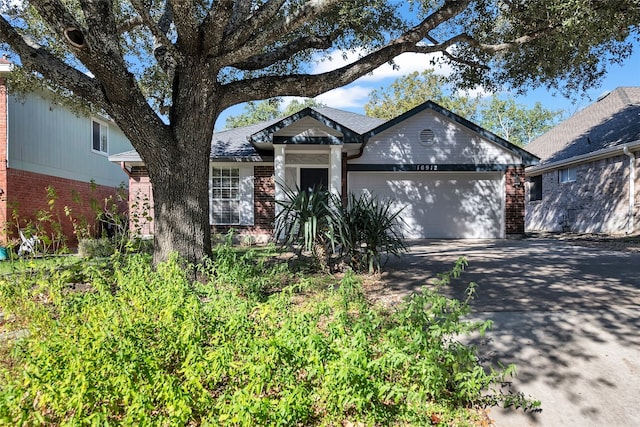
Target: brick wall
<point>141,205</point>
<point>264,208</point>
<point>140,202</point>
<point>597,202</point>
<point>26,194</point>
<point>514,202</point>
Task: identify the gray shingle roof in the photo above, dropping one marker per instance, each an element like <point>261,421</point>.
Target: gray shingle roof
<point>612,120</point>
<point>234,143</point>
<point>354,121</point>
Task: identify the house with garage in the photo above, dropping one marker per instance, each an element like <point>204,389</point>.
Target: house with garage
<point>587,180</point>
<point>44,144</point>
<point>452,178</point>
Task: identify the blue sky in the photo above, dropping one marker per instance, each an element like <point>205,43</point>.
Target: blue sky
<point>353,96</point>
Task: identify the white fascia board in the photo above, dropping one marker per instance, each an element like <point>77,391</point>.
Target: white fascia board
<point>595,155</point>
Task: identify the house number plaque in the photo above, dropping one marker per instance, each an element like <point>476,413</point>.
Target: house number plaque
<point>426,167</point>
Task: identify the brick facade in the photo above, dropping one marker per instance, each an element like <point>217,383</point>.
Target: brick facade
<point>596,202</point>
<point>264,208</point>
<point>140,202</point>
<point>26,194</point>
<point>514,202</point>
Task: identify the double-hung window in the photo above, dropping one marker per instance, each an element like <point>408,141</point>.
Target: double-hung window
<point>99,137</point>
<point>225,189</point>
<point>567,175</point>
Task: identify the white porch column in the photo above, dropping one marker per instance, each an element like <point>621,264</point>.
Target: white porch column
<point>335,171</point>
<point>279,173</point>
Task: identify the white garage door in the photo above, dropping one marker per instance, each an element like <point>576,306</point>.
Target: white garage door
<point>439,205</point>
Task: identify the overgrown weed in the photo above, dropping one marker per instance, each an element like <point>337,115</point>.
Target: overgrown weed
<point>145,346</point>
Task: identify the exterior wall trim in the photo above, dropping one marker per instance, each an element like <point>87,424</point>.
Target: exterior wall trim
<point>589,157</point>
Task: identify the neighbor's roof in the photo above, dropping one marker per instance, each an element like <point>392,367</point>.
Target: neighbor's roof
<point>611,121</point>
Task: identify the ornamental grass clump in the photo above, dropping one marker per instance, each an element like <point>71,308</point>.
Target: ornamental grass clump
<point>138,345</point>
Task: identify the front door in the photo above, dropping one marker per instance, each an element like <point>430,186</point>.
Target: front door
<point>314,179</point>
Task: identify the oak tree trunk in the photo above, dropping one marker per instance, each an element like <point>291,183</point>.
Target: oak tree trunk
<point>181,203</point>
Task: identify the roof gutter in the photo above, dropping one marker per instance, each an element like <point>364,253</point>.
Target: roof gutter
<point>596,155</point>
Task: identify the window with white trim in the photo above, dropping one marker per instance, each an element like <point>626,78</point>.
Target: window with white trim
<point>225,188</point>
<point>567,175</point>
<point>99,137</point>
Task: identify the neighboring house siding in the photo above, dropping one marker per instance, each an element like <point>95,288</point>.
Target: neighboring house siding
<point>596,202</point>
<point>42,144</point>
<point>47,138</point>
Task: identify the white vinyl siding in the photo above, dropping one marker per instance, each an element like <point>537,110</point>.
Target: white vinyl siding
<point>450,143</point>
<point>49,139</point>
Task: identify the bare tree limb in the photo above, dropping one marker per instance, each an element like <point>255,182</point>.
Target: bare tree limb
<point>130,24</point>
<point>58,17</point>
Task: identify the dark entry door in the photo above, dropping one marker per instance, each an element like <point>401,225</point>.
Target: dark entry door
<point>314,179</point>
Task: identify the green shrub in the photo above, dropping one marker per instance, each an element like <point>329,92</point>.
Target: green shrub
<point>91,248</point>
<point>147,346</point>
<point>367,228</point>
<point>360,232</point>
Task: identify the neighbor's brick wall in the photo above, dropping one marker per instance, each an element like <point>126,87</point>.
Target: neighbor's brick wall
<point>514,202</point>
<point>597,202</point>
<point>26,193</point>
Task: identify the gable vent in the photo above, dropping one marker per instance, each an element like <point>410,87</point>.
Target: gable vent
<point>426,136</point>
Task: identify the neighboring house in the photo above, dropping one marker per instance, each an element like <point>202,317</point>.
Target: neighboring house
<point>588,178</point>
<point>453,178</point>
<point>44,144</point>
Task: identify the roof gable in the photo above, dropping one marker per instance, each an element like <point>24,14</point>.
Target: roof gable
<point>527,158</point>
<point>614,119</point>
<point>334,124</point>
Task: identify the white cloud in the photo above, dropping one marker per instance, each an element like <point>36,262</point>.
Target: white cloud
<point>352,96</point>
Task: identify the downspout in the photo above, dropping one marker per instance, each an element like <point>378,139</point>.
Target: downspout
<point>632,189</point>
<point>123,166</point>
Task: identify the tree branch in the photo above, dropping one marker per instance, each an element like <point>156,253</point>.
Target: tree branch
<point>264,60</point>
<point>184,18</point>
<point>58,17</point>
<point>163,50</point>
<point>258,39</point>
<point>38,59</point>
<point>256,23</point>
<point>443,46</point>
<point>222,12</point>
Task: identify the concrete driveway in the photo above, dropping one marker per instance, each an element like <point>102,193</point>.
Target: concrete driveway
<point>568,316</point>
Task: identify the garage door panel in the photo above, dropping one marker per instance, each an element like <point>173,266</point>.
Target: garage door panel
<point>439,205</point>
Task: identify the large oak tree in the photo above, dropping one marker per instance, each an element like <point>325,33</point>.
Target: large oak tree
<point>163,70</point>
